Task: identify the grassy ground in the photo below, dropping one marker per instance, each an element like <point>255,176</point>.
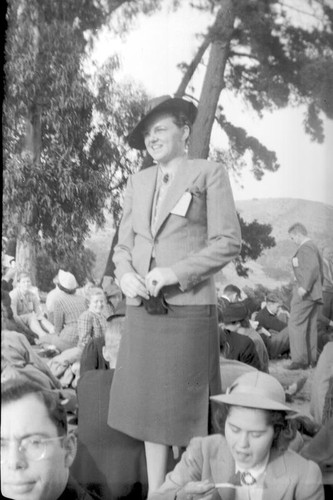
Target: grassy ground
<point>301,400</point>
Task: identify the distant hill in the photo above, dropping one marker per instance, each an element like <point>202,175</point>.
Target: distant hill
<point>273,268</point>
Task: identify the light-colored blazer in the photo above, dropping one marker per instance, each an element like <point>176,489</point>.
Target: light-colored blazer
<point>195,245</point>
<point>288,475</point>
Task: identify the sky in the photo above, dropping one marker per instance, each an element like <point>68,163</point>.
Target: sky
<point>150,53</point>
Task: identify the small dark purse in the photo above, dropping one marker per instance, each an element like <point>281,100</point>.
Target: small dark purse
<point>156,305</point>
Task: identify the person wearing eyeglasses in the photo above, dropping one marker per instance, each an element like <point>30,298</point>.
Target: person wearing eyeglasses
<point>36,449</point>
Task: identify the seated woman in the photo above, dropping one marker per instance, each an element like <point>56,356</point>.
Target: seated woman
<point>235,318</point>
<point>92,323</point>
<point>249,458</point>
<point>25,305</point>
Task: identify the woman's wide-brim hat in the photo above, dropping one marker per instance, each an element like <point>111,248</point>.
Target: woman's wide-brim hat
<point>255,390</point>
<point>160,104</point>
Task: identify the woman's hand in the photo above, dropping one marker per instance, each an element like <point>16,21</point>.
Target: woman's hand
<point>133,285</point>
<point>197,490</point>
<point>159,277</point>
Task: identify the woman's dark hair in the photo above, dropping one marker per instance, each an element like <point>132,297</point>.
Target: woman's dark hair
<point>245,323</point>
<point>14,390</point>
<point>22,274</point>
<point>181,119</point>
<point>284,429</point>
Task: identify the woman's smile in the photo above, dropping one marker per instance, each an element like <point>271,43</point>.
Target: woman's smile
<point>164,140</point>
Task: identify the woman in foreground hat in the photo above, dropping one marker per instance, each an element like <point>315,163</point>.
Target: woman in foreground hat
<point>179,227</point>
<point>249,459</point>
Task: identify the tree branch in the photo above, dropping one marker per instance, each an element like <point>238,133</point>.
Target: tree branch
<point>243,54</point>
<point>193,66</point>
<point>214,32</point>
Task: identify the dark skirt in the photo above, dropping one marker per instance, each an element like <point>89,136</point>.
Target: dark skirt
<point>167,367</point>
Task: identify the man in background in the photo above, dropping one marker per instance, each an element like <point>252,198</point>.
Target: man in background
<point>306,299</point>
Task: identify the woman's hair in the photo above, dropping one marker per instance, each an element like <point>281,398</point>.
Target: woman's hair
<point>284,429</point>
<point>245,323</point>
<point>14,390</point>
<point>180,119</point>
<point>22,274</point>
<point>94,290</point>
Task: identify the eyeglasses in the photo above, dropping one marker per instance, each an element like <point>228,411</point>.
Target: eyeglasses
<point>32,447</point>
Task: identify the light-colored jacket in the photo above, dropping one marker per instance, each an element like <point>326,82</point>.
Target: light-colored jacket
<point>195,245</point>
<point>288,476</point>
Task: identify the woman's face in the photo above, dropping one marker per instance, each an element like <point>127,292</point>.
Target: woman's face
<point>248,435</point>
<point>96,304</point>
<point>25,283</point>
<point>164,140</point>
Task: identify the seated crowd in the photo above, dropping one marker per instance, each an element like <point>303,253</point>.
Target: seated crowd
<point>57,365</point>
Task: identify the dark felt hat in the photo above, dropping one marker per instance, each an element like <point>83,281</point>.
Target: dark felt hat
<point>236,311</point>
<point>160,104</point>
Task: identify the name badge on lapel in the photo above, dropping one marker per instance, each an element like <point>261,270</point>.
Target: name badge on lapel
<point>295,261</point>
<point>182,205</point>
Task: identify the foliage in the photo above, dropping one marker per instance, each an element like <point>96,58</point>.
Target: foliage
<point>80,264</point>
<point>259,293</point>
<point>255,239</point>
<point>117,109</point>
<point>60,164</point>
<point>278,55</point>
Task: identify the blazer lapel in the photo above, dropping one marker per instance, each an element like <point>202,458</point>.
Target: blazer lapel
<point>276,479</point>
<point>181,181</point>
<point>146,188</point>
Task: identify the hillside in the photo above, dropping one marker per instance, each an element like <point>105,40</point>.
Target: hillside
<point>281,213</point>
<point>271,269</point>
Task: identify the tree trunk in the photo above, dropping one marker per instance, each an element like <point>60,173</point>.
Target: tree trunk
<point>25,247</point>
<point>26,254</point>
<point>214,80</point>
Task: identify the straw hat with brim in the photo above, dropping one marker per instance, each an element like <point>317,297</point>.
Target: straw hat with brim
<point>67,280</point>
<point>160,104</point>
<point>255,390</point>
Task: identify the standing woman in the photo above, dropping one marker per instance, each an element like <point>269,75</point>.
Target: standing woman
<point>179,227</point>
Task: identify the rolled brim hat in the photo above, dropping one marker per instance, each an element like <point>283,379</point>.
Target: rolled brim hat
<point>255,390</point>
<point>67,280</point>
<point>158,105</point>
